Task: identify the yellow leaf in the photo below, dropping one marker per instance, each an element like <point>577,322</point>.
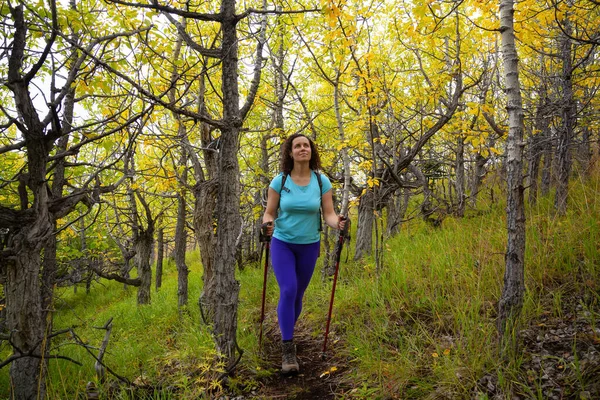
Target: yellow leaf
<point>332,369</point>
<point>446,352</point>
<point>435,355</point>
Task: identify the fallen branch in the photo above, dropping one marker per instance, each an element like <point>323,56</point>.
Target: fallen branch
<point>98,366</point>
<point>22,354</point>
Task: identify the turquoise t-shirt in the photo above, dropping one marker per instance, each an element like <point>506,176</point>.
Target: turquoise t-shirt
<point>298,215</point>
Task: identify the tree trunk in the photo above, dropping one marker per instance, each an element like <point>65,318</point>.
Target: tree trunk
<point>478,174</point>
<point>143,250</point>
<point>205,203</point>
<point>142,246</point>
<point>511,301</point>
<point>279,76</point>
<point>22,289</point>
<point>396,209</point>
<point>536,145</point>
<point>223,289</point>
<point>180,231</point>
<point>548,159</point>
<point>533,170</point>
<point>180,247</point>
<point>566,133</point>
<point>159,258</point>
<point>24,318</point>
<point>204,211</point>
<point>585,152</point>
<point>364,227</point>
<point>460,176</point>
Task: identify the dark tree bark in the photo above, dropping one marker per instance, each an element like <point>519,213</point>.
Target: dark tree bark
<point>584,152</point>
<point>204,208</point>
<point>181,244</point>
<point>180,226</point>
<point>143,250</point>
<point>22,288</point>
<point>548,162</point>
<point>396,210</point>
<point>565,137</point>
<point>160,254</point>
<point>143,238</point>
<point>460,176</point>
<point>536,144</point>
<point>223,288</point>
<point>205,203</point>
<point>364,227</point>
<point>24,316</point>
<point>479,172</point>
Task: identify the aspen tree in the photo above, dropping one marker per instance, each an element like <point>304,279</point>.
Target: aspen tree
<point>511,301</point>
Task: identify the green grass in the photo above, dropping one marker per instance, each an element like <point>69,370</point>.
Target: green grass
<point>423,327</point>
<point>431,312</point>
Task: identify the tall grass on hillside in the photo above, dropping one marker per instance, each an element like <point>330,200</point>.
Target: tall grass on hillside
<point>431,313</point>
<point>423,328</point>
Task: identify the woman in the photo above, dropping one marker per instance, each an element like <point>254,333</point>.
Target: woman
<point>296,240</point>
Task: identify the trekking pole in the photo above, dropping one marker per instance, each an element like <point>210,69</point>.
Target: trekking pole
<point>343,234</point>
<point>266,239</point>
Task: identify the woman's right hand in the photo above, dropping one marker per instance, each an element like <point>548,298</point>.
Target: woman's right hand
<point>267,228</point>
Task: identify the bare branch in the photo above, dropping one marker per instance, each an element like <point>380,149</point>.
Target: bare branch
<point>115,277</point>
<point>257,70</point>
<point>21,354</point>
<point>171,10</point>
<point>593,39</point>
<point>276,12</point>
<point>155,98</point>
<point>492,123</point>
<point>49,43</point>
<point>213,53</point>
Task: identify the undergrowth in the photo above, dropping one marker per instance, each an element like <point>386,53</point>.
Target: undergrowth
<point>424,327</point>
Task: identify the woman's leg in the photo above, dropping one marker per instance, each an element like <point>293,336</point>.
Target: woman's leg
<point>306,259</point>
<point>284,267</point>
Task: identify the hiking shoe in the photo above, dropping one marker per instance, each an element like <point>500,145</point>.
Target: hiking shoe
<point>289,363</point>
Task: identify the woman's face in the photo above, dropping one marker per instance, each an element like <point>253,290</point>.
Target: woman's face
<point>301,149</point>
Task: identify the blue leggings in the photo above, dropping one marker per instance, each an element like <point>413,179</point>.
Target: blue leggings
<point>293,265</point>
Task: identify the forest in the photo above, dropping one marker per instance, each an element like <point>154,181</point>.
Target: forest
<point>137,142</point>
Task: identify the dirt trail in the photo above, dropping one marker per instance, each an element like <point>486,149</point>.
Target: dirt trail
<point>319,378</point>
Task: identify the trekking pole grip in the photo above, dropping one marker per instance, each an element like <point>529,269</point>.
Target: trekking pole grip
<point>264,235</point>
<point>344,232</point>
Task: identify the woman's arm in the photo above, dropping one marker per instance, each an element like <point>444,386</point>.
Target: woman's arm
<point>271,210</point>
<point>331,218</point>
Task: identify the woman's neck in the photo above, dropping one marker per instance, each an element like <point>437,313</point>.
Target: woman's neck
<point>301,170</point>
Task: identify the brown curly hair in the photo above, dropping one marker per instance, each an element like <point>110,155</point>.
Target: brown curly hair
<point>287,162</point>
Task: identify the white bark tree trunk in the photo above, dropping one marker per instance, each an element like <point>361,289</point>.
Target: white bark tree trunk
<point>511,301</point>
